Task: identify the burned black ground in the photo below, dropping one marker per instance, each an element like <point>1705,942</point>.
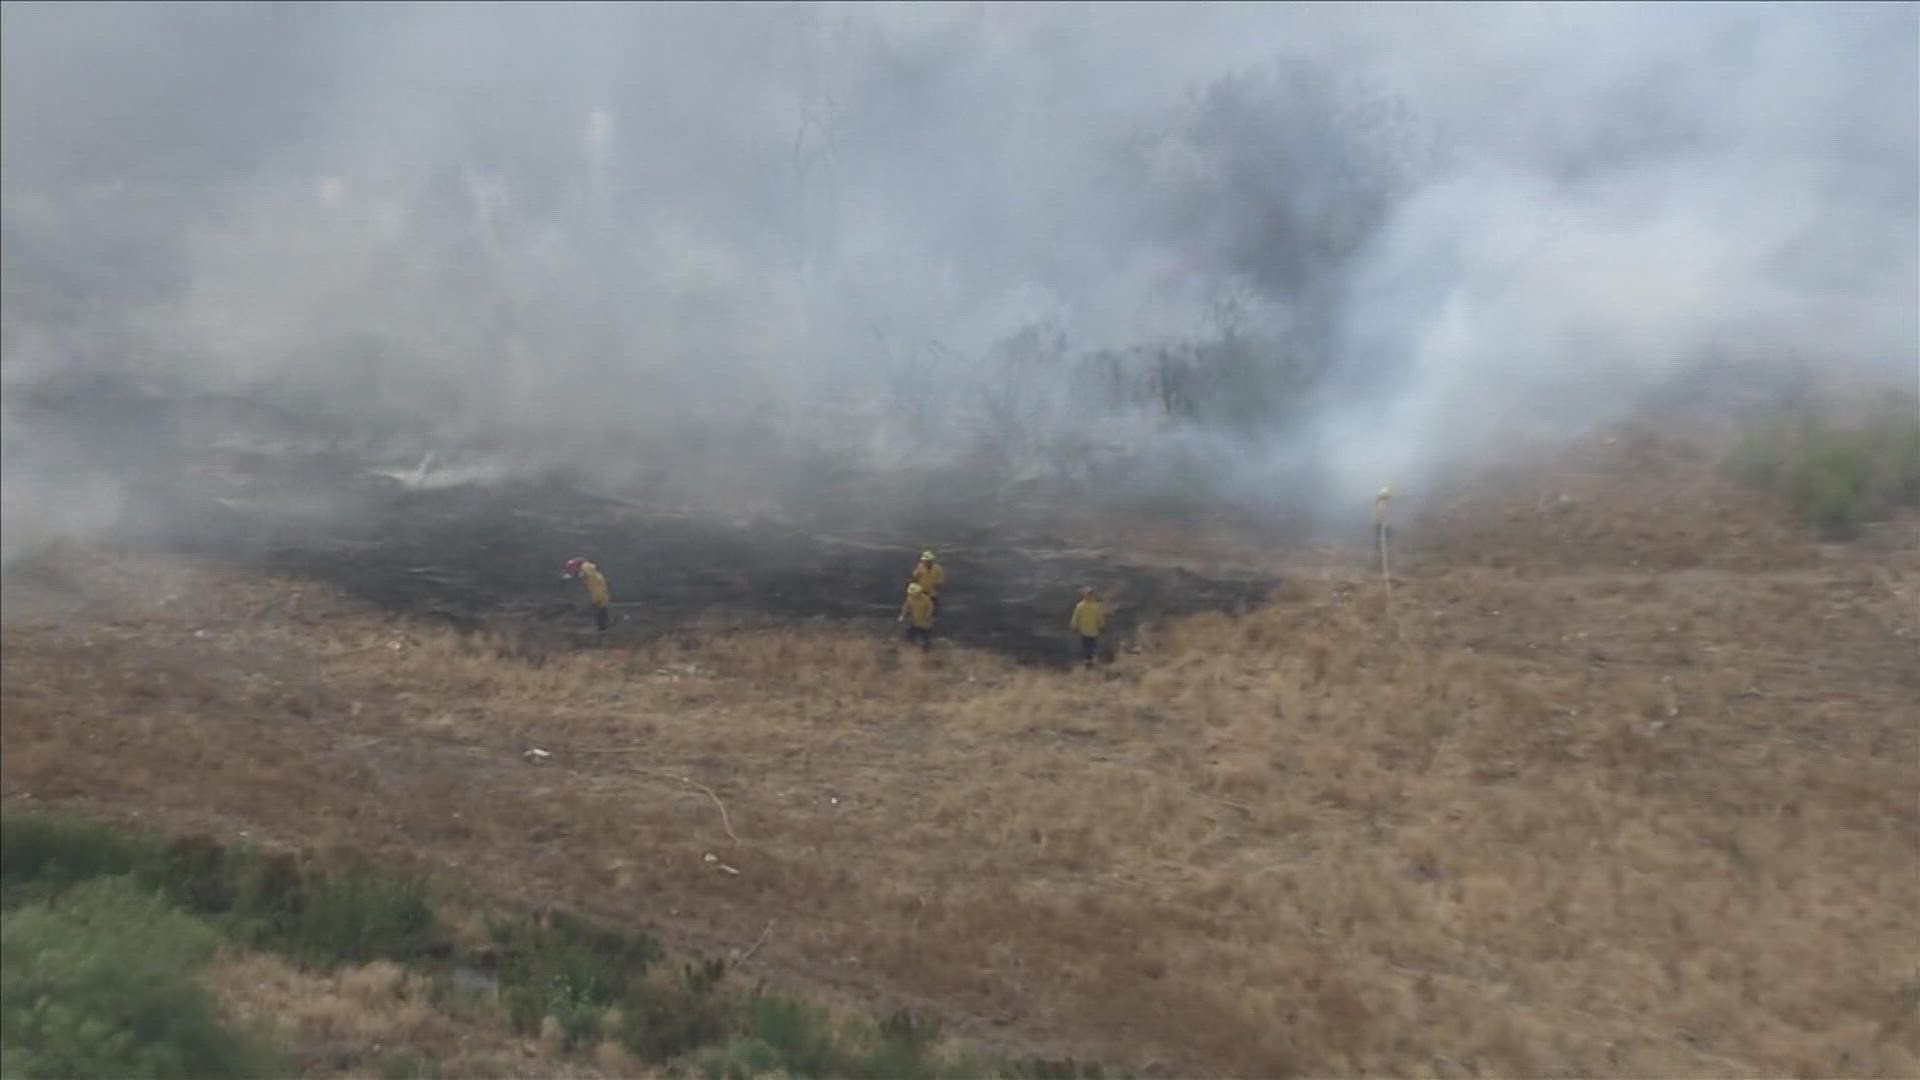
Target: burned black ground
<point>492,555</point>
<point>207,477</point>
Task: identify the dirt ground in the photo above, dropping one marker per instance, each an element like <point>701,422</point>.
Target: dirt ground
<point>1619,780</point>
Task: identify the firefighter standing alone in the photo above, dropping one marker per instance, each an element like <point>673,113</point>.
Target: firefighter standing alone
<point>1089,618</point>
<point>596,584</point>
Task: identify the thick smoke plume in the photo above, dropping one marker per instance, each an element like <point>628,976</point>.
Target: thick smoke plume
<point>1264,256</point>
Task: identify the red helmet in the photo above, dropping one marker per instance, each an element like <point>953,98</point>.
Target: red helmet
<point>573,566</point>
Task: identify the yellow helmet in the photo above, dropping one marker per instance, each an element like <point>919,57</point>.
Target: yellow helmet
<point>1385,491</point>
<point>913,589</point>
<point>926,556</point>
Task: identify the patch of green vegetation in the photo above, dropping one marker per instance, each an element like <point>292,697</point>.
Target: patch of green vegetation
<point>100,982</point>
<point>567,969</point>
<point>351,916</point>
<point>1835,477</point>
<point>43,853</point>
<point>661,1023</point>
<point>788,1037</point>
<point>62,872</point>
<point>573,972</point>
<point>319,915</point>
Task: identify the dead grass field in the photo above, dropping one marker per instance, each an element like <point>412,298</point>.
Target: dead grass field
<point>1619,785</point>
<point>354,1020</point>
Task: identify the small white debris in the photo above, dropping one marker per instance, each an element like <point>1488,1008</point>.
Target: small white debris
<point>394,645</point>
<point>537,755</point>
<point>710,857</point>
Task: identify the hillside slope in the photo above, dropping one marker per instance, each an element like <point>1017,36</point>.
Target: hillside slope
<point>1619,782</point>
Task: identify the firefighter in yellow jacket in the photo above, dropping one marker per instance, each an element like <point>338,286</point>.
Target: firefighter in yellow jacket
<point>596,583</point>
<point>930,575</point>
<point>917,613</point>
<point>1089,618</point>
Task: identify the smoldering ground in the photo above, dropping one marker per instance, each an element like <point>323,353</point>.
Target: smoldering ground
<point>898,263</point>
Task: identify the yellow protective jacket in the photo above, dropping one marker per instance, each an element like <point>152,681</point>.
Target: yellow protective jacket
<point>1089,618</point>
<point>929,576</point>
<point>596,585</point>
<point>918,610</point>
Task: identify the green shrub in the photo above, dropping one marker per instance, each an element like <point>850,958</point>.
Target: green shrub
<point>348,917</point>
<point>805,1042</point>
<point>801,1034</point>
<point>568,961</point>
<point>1834,478</point>
<point>100,983</point>
<point>98,967</point>
<point>197,874</point>
<point>903,1047</point>
<point>662,1023</point>
<point>1827,485</point>
<point>744,1058</point>
<point>266,901</point>
<point>42,853</point>
<point>577,1010</point>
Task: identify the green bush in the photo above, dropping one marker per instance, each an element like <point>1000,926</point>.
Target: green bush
<point>903,1047</point>
<point>100,983</point>
<point>1827,485</point>
<point>578,1011</point>
<point>788,1037</point>
<point>744,1058</point>
<point>1834,478</point>
<point>660,1024</point>
<point>347,917</point>
<point>325,917</point>
<point>801,1034</point>
<point>42,853</point>
<point>81,896</point>
<point>568,964</point>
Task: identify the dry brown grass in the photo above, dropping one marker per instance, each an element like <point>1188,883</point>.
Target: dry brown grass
<point>1582,820</point>
<point>358,1020</point>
